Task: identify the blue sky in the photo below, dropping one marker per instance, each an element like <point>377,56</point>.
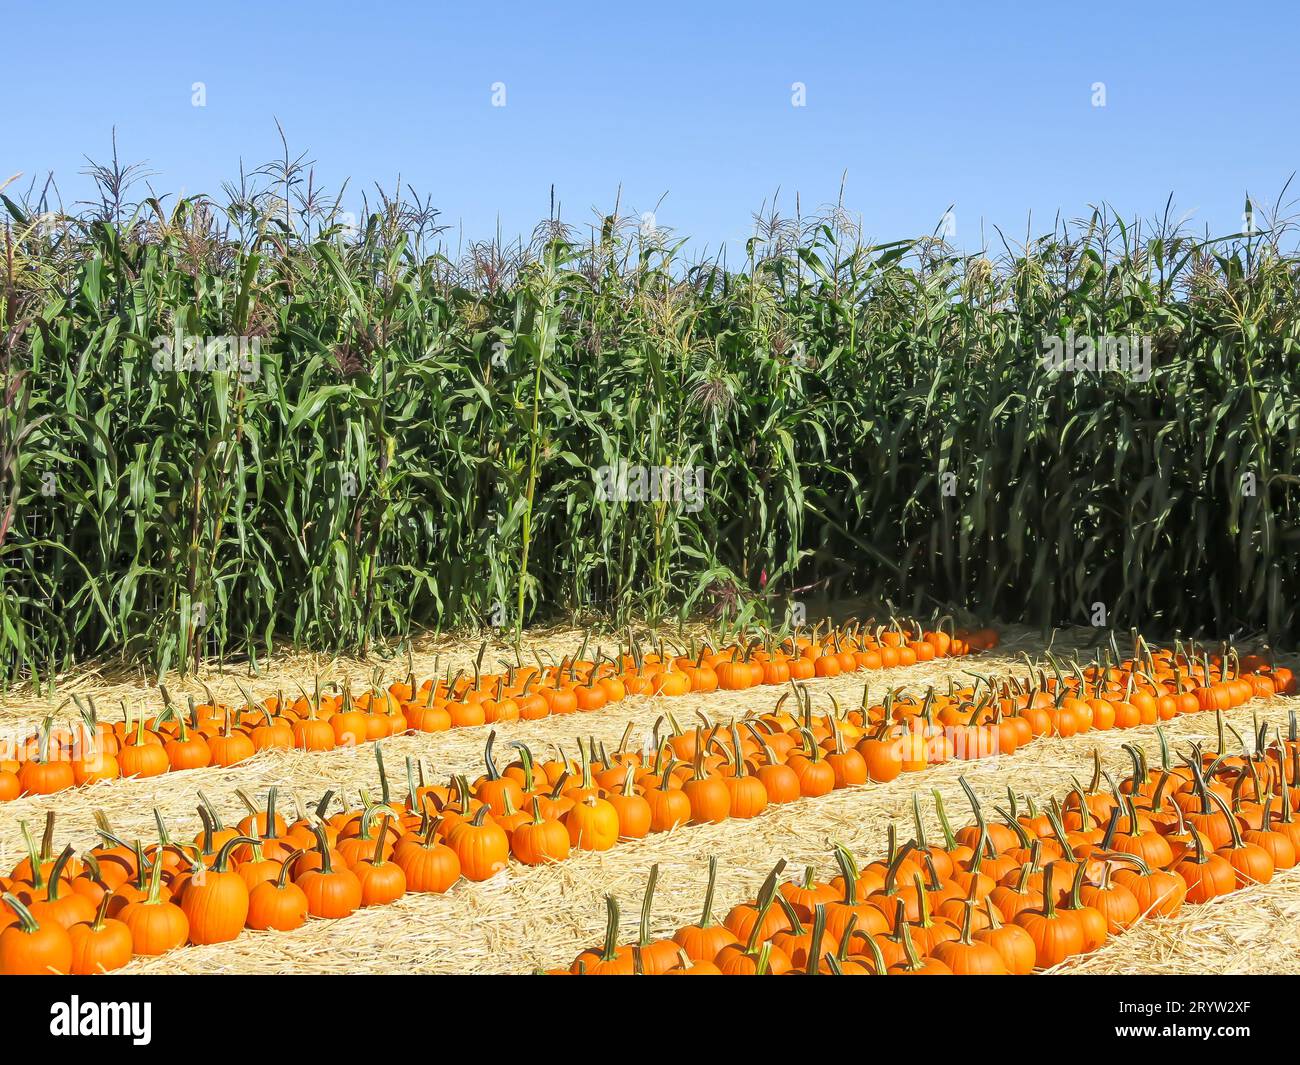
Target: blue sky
<point>985,106</point>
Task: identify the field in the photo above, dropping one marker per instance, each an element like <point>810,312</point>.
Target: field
<point>286,505</point>
<point>541,917</point>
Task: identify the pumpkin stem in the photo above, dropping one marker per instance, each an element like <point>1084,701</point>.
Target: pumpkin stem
<point>1015,826</point>
<point>33,856</point>
<point>848,873</point>
<point>923,919</point>
<point>1049,897</point>
<point>706,917</point>
<point>384,793</point>
<point>377,858</point>
<point>1233,827</point>
<point>208,831</point>
<point>56,874</point>
<point>153,898</point>
<point>648,900</point>
<point>1111,826</point>
<point>223,855</point>
<point>323,845</point>
<point>1076,886</point>
<point>791,914</point>
<point>895,864</point>
<point>909,948</point>
<point>609,951</point>
<point>101,912</point>
<point>921,841</point>
<point>815,939</point>
<point>950,840</point>
<point>765,896</point>
<point>26,922</point>
<point>964,938</point>
<point>877,959</point>
<point>995,920</point>
<point>282,877</point>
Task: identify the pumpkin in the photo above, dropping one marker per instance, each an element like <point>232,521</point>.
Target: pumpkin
<point>330,892</point>
<point>1279,845</point>
<point>41,775</point>
<point>758,957</point>
<point>272,733</point>
<point>657,956</point>
<point>592,824</point>
<point>495,789</point>
<point>1116,903</point>
<point>1014,945</point>
<point>429,864</point>
<point>747,796</point>
<point>759,918</point>
<point>61,904</point>
<point>1158,892</point>
<point>186,751</point>
<point>157,925</point>
<point>278,904</point>
<point>32,948</point>
<point>541,840</point>
<point>815,775</point>
<point>382,880</point>
<point>1251,863</point>
<point>704,940</point>
<point>609,959</point>
<point>848,766</point>
<point>1206,874</point>
<point>1056,934</point>
<point>230,746</point>
<point>481,845</point>
<point>100,946</point>
<point>1090,921</point>
<point>780,782</point>
<point>966,956</point>
<point>846,913</point>
<point>311,733</point>
<point>687,967</point>
<point>215,899</point>
<point>142,755</point>
<point>635,816</point>
<point>913,964</point>
<point>709,799</point>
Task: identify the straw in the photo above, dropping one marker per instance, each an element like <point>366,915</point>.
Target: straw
<point>541,917</point>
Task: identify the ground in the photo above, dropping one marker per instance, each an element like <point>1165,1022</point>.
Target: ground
<point>529,918</point>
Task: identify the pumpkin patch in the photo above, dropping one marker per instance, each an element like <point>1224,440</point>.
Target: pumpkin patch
<point>1005,896</point>
<point>1068,875</point>
<point>215,734</point>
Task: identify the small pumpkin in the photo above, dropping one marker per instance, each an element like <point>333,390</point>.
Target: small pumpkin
<point>278,904</point>
<point>102,945</point>
<point>157,925</point>
<point>215,898</point>
<point>32,948</point>
<point>330,892</point>
<point>480,844</point>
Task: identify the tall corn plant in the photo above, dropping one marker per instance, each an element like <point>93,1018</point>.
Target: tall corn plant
<point>420,443</point>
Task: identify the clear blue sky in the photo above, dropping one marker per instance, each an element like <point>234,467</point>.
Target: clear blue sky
<point>986,106</point>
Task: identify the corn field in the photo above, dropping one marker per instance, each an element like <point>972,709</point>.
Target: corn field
<point>414,434</point>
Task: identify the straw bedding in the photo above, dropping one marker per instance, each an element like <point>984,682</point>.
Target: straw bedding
<point>529,918</point>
